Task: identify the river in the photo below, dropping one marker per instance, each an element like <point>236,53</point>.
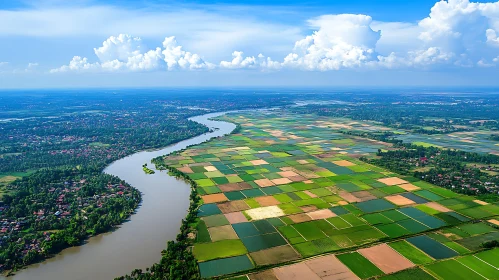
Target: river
<point>138,242</point>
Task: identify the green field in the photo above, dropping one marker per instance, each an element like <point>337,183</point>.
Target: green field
<point>219,249</point>
<point>452,269</point>
<point>410,274</point>
<point>359,265</point>
<point>302,186</point>
<point>425,144</point>
<point>410,252</point>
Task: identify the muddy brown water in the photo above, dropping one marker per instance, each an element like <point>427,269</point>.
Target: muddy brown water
<point>138,242</point>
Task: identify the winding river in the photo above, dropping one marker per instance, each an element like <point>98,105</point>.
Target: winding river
<point>138,242</point>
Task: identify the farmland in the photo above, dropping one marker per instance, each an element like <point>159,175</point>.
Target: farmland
<point>288,187</point>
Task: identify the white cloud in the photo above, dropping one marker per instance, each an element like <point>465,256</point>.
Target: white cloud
<point>127,53</point>
<point>492,37</point>
<point>120,48</point>
<point>462,28</point>
<point>176,58</point>
<point>261,62</point>
<point>239,61</point>
<point>456,33</point>
<point>433,55</point>
<point>77,64</point>
<point>341,41</point>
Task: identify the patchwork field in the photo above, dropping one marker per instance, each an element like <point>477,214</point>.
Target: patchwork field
<point>287,188</point>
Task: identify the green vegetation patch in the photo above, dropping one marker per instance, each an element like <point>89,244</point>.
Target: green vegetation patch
<point>211,190</point>
<point>339,223</point>
<point>409,274</point>
<point>476,229</point>
<point>205,182</point>
<point>491,257</point>
<point>202,232</point>
<point>219,249</point>
<point>376,219</point>
<point>479,266</point>
<point>237,195</point>
<point>429,195</point>
<point>428,210</point>
<point>309,230</point>
<point>456,247</point>
<point>410,252</point>
<point>307,249</point>
<point>290,208</point>
<point>260,242</point>
<point>452,269</point>
<point>474,243</point>
<point>444,192</point>
<point>394,215</point>
<point>413,226</point>
<point>326,245</point>
<point>393,230</point>
<point>215,220</point>
<point>208,210</point>
<point>426,144</point>
<point>253,193</point>
<point>359,265</point>
<point>374,205</point>
<point>349,187</point>
<point>225,266</point>
<point>339,210</point>
<point>392,189</point>
<point>476,213</point>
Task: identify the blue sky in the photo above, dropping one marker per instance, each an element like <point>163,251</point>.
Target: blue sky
<point>98,43</point>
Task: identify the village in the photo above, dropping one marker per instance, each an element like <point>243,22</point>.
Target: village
<point>53,208</point>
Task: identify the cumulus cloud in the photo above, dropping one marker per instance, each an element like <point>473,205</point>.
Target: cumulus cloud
<point>492,37</point>
<point>238,61</point>
<point>176,58</point>
<point>127,53</point>
<point>462,29</point>
<point>260,62</point>
<point>77,64</point>
<point>341,41</point>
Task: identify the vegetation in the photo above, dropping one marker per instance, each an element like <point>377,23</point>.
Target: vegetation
<point>490,244</point>
<point>418,113</point>
<point>57,208</point>
<point>452,169</point>
<point>385,136</point>
<point>147,170</point>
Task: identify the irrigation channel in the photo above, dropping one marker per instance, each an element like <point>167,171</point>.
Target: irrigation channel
<point>138,242</point>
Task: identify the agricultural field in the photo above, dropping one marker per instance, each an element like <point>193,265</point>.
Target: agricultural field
<point>470,141</point>
<point>475,140</point>
<point>286,188</point>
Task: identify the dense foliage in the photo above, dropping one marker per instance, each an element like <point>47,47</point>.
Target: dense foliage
<point>453,169</point>
<point>56,208</point>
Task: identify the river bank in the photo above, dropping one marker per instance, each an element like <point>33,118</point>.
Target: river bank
<point>138,242</point>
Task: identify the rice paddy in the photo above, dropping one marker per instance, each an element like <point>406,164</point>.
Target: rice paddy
<point>287,188</point>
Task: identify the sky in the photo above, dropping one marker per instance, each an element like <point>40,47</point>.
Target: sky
<point>161,43</point>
